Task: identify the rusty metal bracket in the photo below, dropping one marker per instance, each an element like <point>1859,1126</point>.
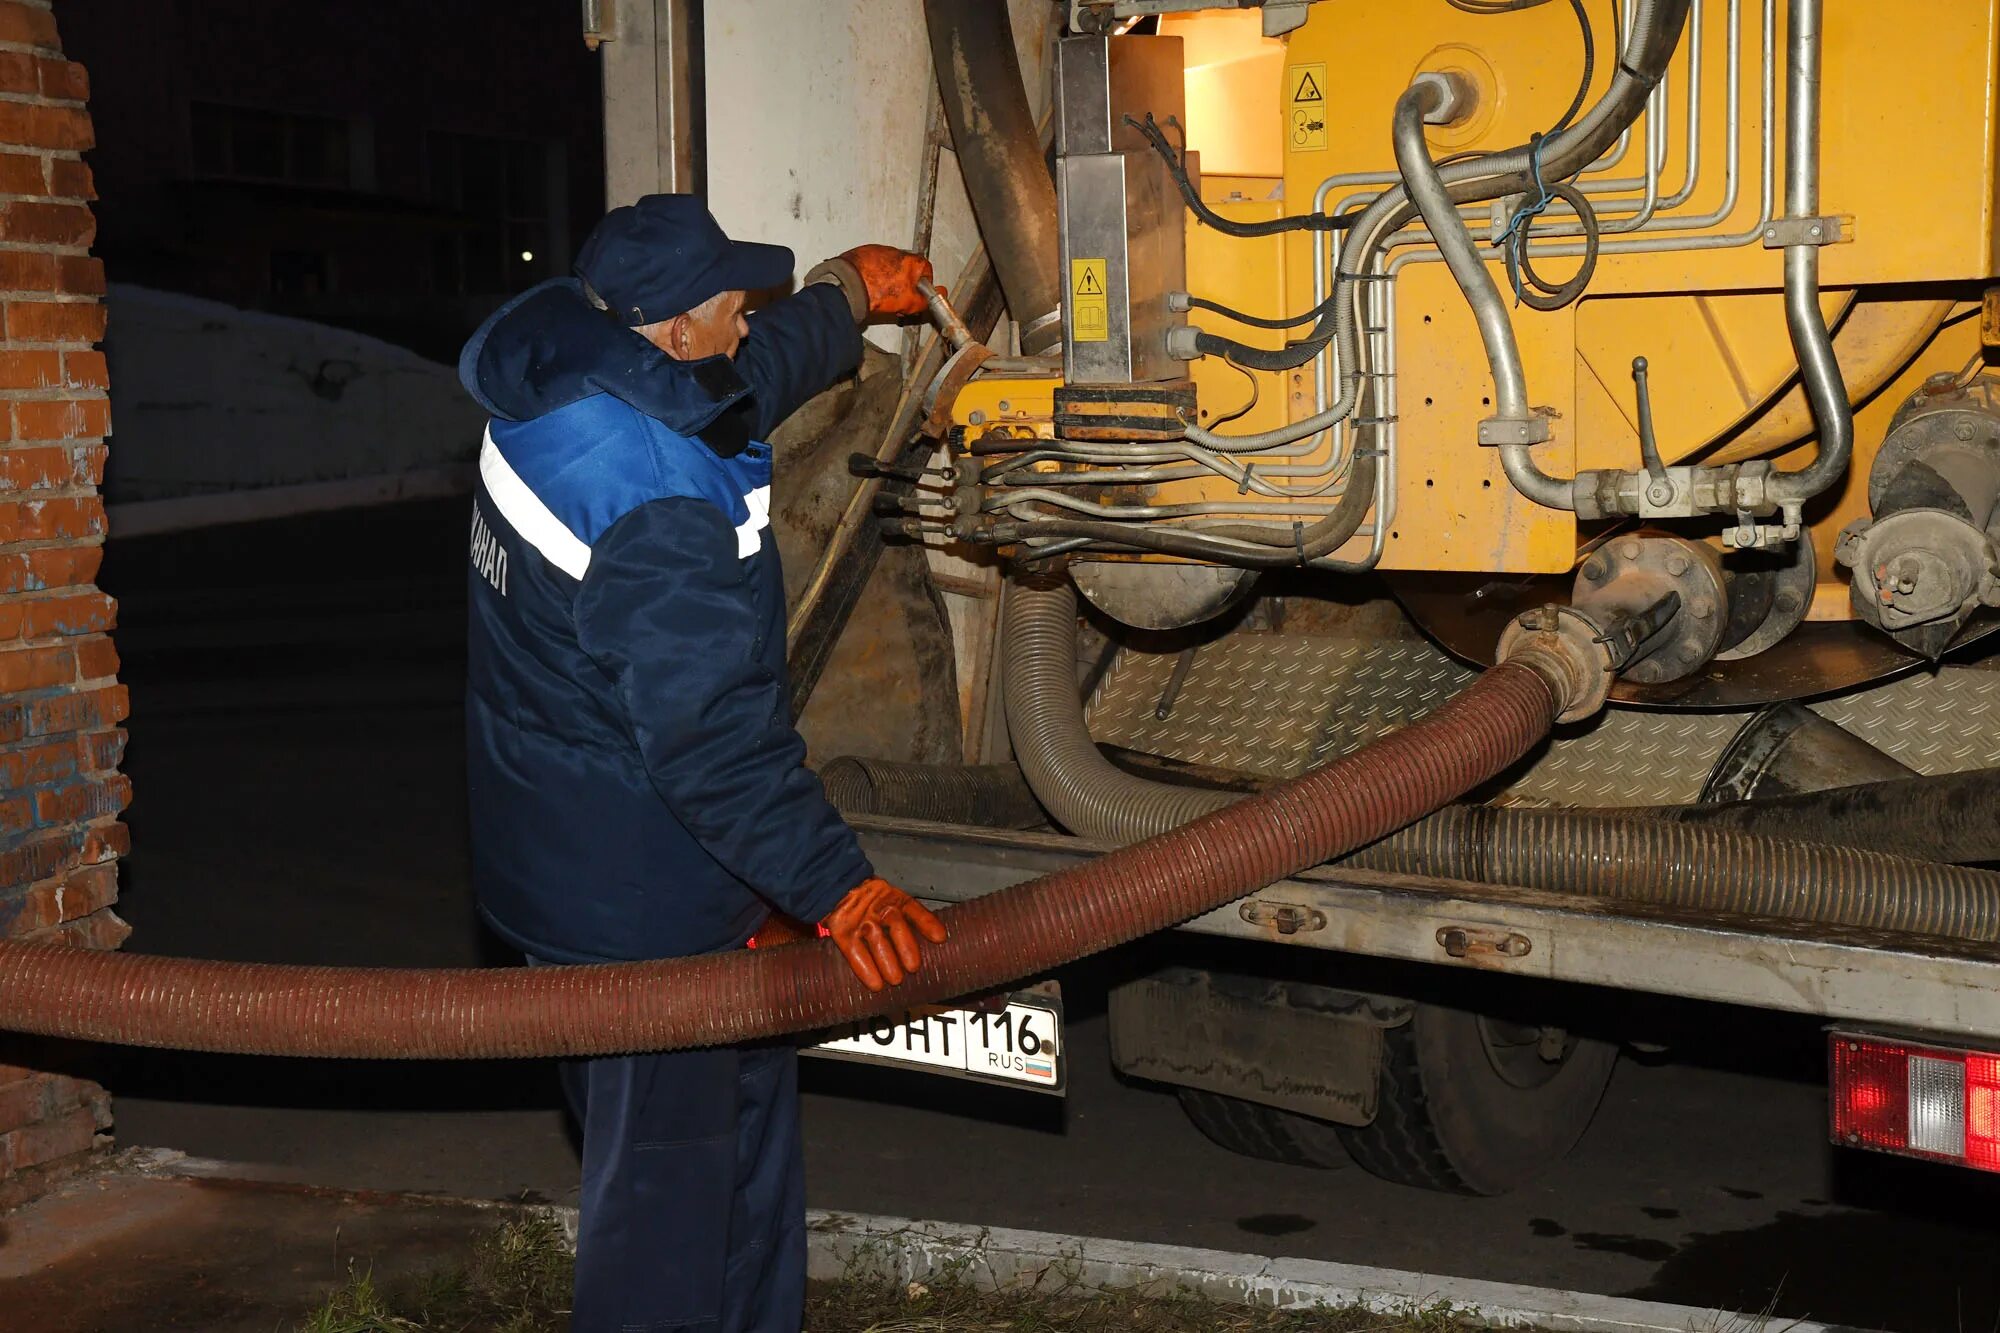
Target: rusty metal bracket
<point>1830,229</point>
<point>1285,918</point>
<point>1475,942</point>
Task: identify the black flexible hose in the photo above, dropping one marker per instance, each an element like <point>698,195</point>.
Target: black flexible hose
<point>1537,294</point>
<point>983,795</point>
<point>1953,817</point>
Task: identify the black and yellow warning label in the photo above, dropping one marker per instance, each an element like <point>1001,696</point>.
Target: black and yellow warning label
<point>1305,108</point>
<point>1089,301</point>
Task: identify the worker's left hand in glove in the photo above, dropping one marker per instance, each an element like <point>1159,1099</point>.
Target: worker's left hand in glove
<point>880,281</point>
<point>876,926</point>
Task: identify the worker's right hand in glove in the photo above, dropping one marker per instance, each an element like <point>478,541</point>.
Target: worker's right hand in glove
<point>876,926</point>
<point>880,281</point>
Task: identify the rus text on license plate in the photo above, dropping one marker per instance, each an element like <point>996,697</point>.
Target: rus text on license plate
<point>1020,1045</point>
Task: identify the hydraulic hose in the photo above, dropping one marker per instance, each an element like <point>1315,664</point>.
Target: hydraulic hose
<point>986,795</point>
<point>748,995</point>
<point>999,150</point>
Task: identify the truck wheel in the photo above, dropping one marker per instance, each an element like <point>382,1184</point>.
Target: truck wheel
<point>1477,1105</point>
<point>1255,1130</point>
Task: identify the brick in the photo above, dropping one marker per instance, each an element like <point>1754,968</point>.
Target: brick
<point>12,618</point>
<point>55,321</point>
<point>27,25</point>
<point>51,567</point>
<point>70,178</point>
<point>64,419</point>
<point>23,669</point>
<point>36,765</point>
<point>107,842</point>
<point>64,1136</point>
<point>100,930</point>
<point>45,857</point>
<point>30,370</point>
<point>85,370</point>
<point>33,222</point>
<point>16,812</point>
<point>26,270</point>
<point>18,73</point>
<point>55,519</point>
<point>23,173</point>
<point>79,275</point>
<point>41,1097</point>
<point>84,800</point>
<point>51,466</point>
<point>63,80</point>
<point>62,128</point>
<point>85,710</point>
<point>67,616</point>
<point>97,659</point>
<point>88,890</point>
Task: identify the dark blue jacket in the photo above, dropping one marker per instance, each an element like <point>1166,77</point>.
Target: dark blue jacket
<point>637,787</point>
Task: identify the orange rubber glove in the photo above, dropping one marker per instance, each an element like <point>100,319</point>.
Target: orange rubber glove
<point>876,926</point>
<point>891,277</point>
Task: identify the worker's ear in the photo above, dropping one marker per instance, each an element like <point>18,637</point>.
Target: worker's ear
<point>677,337</point>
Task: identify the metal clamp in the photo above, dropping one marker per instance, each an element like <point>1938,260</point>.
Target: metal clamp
<point>1495,431</point>
<point>1831,229</point>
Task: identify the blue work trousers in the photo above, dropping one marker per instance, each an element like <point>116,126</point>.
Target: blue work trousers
<point>693,1209</point>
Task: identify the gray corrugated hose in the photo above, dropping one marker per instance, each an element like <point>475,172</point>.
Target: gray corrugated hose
<point>1565,851</point>
<point>1081,788</point>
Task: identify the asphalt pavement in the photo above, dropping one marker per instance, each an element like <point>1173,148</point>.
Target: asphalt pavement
<point>296,763</point>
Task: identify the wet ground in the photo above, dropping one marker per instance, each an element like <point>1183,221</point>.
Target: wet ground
<point>295,758</point>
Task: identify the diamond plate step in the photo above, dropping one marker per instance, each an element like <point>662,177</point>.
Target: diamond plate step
<point>1279,704</point>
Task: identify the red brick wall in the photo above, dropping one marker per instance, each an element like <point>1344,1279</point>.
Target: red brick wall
<point>60,700</point>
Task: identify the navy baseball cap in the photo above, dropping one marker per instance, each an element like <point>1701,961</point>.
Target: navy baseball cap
<point>666,254</point>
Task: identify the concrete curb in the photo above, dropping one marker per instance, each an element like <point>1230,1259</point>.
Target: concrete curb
<point>902,1250</point>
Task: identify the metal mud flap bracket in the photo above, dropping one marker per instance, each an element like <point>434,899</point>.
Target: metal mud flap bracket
<point>1315,1050</point>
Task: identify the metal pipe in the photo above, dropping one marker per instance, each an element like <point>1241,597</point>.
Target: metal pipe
<point>1818,370</point>
<point>999,152</point>
<point>1496,329</point>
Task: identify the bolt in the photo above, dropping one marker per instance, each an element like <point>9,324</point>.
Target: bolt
<point>1965,430</point>
<point>1907,572</point>
<point>1660,492</point>
<point>1454,941</point>
<point>1814,230</point>
<point>1006,406</point>
<point>1593,569</point>
<point>1629,548</point>
<point>1701,608</point>
<point>975,418</point>
<point>1786,603</point>
<point>1688,654</point>
<point>1677,564</point>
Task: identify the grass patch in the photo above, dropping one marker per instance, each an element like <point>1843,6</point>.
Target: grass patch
<point>517,1280</point>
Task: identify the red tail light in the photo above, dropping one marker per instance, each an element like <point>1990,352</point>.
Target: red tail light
<point>1916,1100</point>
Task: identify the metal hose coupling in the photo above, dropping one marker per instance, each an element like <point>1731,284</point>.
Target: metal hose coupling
<point>1567,648</point>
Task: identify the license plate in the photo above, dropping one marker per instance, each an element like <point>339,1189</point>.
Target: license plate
<point>1018,1043</point>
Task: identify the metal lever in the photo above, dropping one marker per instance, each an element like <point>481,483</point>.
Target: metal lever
<point>1660,490</point>
<point>949,324</point>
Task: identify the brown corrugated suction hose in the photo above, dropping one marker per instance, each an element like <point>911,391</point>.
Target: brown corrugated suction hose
<point>271,1009</point>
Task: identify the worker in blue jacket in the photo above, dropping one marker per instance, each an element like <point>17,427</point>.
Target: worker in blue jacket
<point>637,788</point>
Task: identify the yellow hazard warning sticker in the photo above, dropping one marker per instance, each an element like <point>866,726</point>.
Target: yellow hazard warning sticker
<point>1305,112</point>
<point>1089,301</point>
